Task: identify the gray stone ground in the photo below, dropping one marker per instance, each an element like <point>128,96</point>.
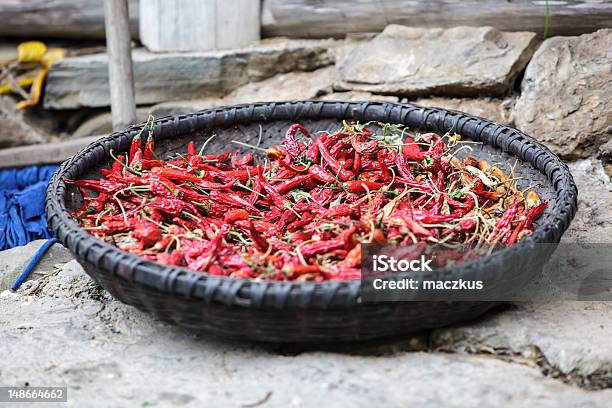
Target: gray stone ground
<point>63,329</point>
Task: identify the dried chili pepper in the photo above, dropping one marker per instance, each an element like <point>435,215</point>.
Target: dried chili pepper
<point>304,213</point>
<point>333,164</point>
<point>293,147</point>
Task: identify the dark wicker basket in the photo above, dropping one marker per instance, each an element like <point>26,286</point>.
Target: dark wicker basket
<point>300,312</point>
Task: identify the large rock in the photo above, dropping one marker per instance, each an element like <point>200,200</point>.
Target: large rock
<point>605,154</point>
<point>593,220</point>
<point>565,98</point>
<point>102,123</point>
<point>282,87</point>
<point>286,87</point>
<point>16,130</point>
<point>64,331</point>
<point>497,110</point>
<point>83,81</point>
<point>456,61</point>
<point>359,96</point>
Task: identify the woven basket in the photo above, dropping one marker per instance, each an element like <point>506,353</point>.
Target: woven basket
<point>307,311</point>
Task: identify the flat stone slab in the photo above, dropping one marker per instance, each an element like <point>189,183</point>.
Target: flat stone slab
<point>83,81</point>
<point>16,128</point>
<point>460,61</point>
<point>573,336</point>
<point>359,96</point>
<point>109,354</point>
<point>44,153</point>
<point>565,94</point>
<point>496,110</point>
<point>13,261</point>
<point>593,220</point>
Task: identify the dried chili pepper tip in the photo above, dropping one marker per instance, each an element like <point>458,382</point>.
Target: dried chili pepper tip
<point>294,149</point>
<point>191,150</point>
<point>135,146</point>
<point>149,147</point>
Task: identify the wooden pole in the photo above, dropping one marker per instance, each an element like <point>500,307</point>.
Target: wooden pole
<point>120,72</point>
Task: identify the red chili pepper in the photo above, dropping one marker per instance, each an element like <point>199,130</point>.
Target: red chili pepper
<point>191,150</point>
<point>149,147</point>
<point>319,212</point>
<point>416,228</point>
<point>320,247</point>
<point>512,238</point>
<point>312,152</point>
<point>135,146</point>
<point>534,213</point>
<point>298,270</point>
<point>117,168</point>
<point>412,151</point>
<point>236,214</point>
<point>175,174</point>
<point>292,184</point>
<point>360,186</point>
<point>216,245</point>
<point>260,242</point>
<point>356,163</point>
<point>217,157</point>
<point>136,162</point>
<point>363,147</point>
<point>100,186</point>
<point>465,225</point>
<point>307,218</point>
<point>402,167</point>
<point>256,191</point>
<point>211,185</point>
<point>241,175</point>
<point>279,200</point>
<point>321,174</point>
<point>231,199</point>
<point>508,216</point>
<point>172,206</point>
<point>97,205</point>
<point>147,232</point>
<point>437,150</point>
<point>340,210</point>
<point>289,166</point>
<point>294,148</point>
<point>333,164</point>
<point>384,167</point>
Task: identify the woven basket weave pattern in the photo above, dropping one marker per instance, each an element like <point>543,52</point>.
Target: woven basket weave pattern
<point>287,311</point>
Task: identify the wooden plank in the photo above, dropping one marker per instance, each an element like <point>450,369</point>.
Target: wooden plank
<point>79,19</point>
<point>120,71</point>
<point>238,23</point>
<point>325,18</point>
<point>188,26</point>
<point>47,153</point>
<point>198,25</point>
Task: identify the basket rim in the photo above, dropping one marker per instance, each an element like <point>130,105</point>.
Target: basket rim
<point>278,294</point>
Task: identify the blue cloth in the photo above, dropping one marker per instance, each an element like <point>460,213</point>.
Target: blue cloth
<point>22,205</point>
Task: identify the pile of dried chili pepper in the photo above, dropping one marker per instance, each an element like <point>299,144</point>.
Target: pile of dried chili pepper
<point>302,210</point>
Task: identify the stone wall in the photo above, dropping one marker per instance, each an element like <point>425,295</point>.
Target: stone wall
<point>556,90</point>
